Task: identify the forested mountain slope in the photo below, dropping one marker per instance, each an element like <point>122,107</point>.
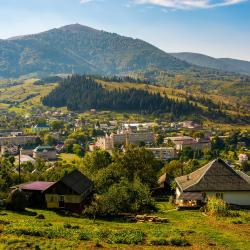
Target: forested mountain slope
<point>80,49</point>
<point>223,64</point>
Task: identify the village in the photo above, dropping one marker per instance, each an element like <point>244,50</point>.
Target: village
<point>90,165</point>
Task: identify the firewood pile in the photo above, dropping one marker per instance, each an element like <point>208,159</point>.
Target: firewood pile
<point>145,218</point>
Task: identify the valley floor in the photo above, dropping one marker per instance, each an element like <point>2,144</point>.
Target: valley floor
<point>25,231</point>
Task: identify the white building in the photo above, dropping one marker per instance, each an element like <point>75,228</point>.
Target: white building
<point>216,178</point>
<point>123,138</point>
<point>186,141</point>
<point>163,153</point>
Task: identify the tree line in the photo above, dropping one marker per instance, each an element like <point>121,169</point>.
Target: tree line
<point>81,93</point>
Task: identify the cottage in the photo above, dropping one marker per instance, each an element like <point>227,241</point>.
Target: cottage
<point>45,152</point>
<point>71,192</point>
<point>216,178</point>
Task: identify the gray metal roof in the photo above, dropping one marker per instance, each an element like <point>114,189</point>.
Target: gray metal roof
<point>215,176</point>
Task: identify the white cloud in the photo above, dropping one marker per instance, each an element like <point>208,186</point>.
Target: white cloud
<point>85,1</point>
<point>190,4</point>
<point>181,4</point>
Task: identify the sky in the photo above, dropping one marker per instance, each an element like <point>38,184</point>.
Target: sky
<point>218,28</point>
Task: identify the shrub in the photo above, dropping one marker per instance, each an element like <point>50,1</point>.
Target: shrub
<point>179,242</point>
<point>218,207</point>
<point>84,236</point>
<point>17,200</point>
<point>103,234</point>
<point>127,237</point>
<point>159,242</point>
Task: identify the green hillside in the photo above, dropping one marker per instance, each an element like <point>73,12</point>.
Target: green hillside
<point>223,64</point>
<point>80,49</point>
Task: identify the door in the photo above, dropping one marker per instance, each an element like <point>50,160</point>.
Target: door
<point>61,201</point>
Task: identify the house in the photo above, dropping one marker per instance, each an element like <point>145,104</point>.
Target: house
<point>45,152</point>
<point>190,125</point>
<point>216,178</point>
<point>24,159</point>
<point>40,128</point>
<point>71,192</point>
<point>243,158</point>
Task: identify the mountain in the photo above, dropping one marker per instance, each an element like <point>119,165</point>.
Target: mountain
<point>80,49</point>
<point>223,64</point>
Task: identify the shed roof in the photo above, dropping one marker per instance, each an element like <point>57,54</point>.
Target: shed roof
<point>35,186</point>
<point>77,181</point>
<point>217,175</point>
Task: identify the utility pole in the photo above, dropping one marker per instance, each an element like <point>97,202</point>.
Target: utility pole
<point>19,164</point>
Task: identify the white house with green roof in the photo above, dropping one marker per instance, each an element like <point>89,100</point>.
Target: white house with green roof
<point>45,152</point>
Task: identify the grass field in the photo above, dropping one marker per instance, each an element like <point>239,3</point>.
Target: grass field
<point>191,228</point>
<point>69,158</point>
<point>23,97</point>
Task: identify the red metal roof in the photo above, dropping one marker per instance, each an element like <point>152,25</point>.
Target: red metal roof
<point>36,185</point>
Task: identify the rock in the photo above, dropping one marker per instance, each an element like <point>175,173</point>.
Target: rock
<point>40,217</point>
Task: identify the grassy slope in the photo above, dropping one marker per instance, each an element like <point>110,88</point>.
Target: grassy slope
<point>20,92</point>
<point>18,96</point>
<point>201,231</point>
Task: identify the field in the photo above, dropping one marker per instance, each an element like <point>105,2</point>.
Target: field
<point>23,96</point>
<point>184,230</point>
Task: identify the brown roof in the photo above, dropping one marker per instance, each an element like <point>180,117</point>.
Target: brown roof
<point>77,181</point>
<point>215,176</point>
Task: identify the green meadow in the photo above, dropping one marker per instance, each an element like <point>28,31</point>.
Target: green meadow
<point>184,230</point>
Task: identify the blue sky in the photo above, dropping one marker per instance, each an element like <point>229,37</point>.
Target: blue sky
<point>219,28</point>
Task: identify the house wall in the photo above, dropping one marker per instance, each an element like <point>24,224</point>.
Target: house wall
<point>234,197</point>
<point>52,200</point>
<point>48,155</point>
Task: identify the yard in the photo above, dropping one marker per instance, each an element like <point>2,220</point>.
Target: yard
<point>185,230</point>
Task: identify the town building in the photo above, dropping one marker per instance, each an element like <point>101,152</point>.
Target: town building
<point>9,150</point>
<point>186,141</point>
<point>163,153</point>
<point>40,128</point>
<point>17,140</point>
<point>45,152</point>
<point>190,125</point>
<point>110,141</point>
<point>217,179</point>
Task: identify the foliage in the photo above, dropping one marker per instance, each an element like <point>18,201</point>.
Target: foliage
<point>81,93</point>
<point>17,200</point>
<point>122,183</point>
<point>218,207</point>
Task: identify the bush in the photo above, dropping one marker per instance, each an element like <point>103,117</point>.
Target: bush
<point>218,207</point>
<point>179,242</point>
<point>127,237</point>
<point>17,200</point>
<point>84,236</point>
<point>159,242</point>
<point>103,234</point>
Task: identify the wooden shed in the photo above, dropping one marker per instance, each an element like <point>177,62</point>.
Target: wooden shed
<point>71,192</point>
